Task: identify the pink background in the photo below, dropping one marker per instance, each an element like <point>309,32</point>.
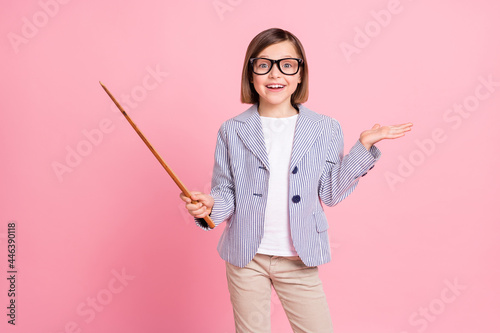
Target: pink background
<point>419,253</point>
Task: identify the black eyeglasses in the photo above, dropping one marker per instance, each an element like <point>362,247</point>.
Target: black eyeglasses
<point>287,66</point>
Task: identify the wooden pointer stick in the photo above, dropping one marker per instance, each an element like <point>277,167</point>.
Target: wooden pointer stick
<point>183,188</point>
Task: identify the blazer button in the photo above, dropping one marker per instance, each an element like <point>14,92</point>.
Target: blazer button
<point>294,171</point>
<point>296,198</point>
<point>372,167</point>
<point>364,174</point>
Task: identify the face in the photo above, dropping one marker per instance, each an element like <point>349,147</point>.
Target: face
<point>275,88</point>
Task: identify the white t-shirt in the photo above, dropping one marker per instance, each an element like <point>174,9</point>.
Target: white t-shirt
<point>278,136</point>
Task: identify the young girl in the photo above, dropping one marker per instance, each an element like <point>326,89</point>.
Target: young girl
<point>275,164</point>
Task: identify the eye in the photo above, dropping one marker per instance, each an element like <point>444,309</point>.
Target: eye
<point>289,63</point>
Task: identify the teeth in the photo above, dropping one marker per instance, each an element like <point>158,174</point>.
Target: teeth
<point>275,86</point>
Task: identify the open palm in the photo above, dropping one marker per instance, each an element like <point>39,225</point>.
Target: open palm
<point>377,133</point>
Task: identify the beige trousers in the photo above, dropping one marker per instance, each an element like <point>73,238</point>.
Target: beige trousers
<point>297,286</point>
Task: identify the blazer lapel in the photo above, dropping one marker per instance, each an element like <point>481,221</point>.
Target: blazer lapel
<point>250,132</point>
<point>306,133</point>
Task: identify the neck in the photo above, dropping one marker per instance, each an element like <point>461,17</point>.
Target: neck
<point>277,111</point>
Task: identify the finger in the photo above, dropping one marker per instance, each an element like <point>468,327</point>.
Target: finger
<point>194,206</point>
<point>404,125</point>
<point>399,129</point>
<point>184,198</point>
<point>199,211</point>
<point>201,215</point>
<point>203,198</point>
<point>205,212</point>
<point>392,132</point>
<point>395,136</point>
<point>197,196</point>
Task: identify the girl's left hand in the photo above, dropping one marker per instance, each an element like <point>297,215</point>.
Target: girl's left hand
<point>377,133</point>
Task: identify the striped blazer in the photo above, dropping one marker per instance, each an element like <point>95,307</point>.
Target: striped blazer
<point>319,173</point>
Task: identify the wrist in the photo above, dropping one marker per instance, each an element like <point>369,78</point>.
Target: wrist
<point>366,145</point>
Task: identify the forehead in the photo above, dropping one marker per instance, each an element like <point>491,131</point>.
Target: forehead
<point>279,50</point>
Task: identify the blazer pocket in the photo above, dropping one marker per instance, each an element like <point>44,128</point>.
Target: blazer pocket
<point>321,222</point>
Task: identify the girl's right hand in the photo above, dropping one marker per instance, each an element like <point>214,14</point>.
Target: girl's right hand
<point>202,208</point>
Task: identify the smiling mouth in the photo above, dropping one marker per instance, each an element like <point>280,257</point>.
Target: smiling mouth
<point>275,86</point>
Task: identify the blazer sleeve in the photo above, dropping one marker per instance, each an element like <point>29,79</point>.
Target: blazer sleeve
<point>341,173</point>
<point>222,183</point>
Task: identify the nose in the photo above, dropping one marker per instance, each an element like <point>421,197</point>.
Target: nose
<point>275,71</point>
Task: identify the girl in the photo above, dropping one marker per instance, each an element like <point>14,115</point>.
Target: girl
<point>275,164</point>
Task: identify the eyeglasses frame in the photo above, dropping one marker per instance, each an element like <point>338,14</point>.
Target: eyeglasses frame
<point>277,62</point>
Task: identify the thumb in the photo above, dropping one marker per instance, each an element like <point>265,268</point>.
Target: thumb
<point>375,126</point>
<point>197,196</point>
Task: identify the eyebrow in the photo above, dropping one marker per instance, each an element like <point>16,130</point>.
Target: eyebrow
<point>285,56</point>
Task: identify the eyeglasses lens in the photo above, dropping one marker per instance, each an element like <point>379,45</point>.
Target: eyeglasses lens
<point>287,66</point>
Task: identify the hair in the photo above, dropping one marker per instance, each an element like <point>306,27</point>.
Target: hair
<point>264,39</point>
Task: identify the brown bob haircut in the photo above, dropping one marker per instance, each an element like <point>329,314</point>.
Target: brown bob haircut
<point>260,42</point>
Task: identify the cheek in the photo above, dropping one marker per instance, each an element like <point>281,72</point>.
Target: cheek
<point>258,81</point>
<point>294,84</point>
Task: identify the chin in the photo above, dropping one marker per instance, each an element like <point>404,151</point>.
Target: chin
<point>277,103</point>
<point>275,100</point>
